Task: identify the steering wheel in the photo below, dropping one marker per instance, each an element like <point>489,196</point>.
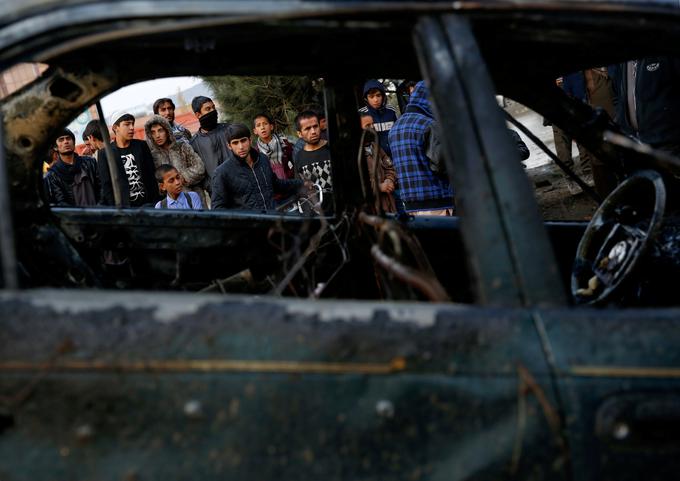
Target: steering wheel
<point>617,237</point>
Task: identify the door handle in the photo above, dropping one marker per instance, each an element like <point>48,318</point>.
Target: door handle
<point>640,420</point>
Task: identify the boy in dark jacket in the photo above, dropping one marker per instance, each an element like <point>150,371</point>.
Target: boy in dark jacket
<point>72,180</point>
<point>210,142</point>
<point>246,180</point>
<point>384,116</point>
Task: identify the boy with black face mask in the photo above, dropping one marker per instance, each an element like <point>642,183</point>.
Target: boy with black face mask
<point>210,142</point>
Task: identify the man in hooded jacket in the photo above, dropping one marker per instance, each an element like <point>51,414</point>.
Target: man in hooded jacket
<point>165,149</point>
<point>384,116</point>
<point>420,189</point>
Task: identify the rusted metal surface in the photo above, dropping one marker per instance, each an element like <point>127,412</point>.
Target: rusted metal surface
<point>610,357</point>
<point>78,389</point>
<point>33,116</point>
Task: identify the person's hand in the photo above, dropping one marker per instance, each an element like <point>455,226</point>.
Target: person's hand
<point>387,186</point>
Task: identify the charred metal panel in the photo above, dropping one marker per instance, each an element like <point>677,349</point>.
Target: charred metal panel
<point>188,386</point>
<point>618,373</point>
<point>500,222</point>
<point>32,115</point>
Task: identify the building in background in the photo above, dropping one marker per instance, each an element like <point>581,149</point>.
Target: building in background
<point>16,77</point>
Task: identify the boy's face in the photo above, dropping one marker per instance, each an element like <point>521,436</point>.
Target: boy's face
<point>159,135</point>
<point>310,131</point>
<point>263,129</point>
<point>366,122</point>
<point>167,111</point>
<point>374,98</point>
<point>172,183</point>
<point>125,130</point>
<point>240,147</point>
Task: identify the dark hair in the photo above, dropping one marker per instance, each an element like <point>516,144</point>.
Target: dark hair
<point>94,129</point>
<point>157,104</point>
<point>237,131</point>
<point>124,118</point>
<point>64,133</point>
<point>364,114</point>
<point>307,114</point>
<point>198,102</point>
<point>162,170</point>
<point>266,116</point>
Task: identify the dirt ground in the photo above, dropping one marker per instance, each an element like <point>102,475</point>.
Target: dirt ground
<point>554,197</point>
<point>557,199</point>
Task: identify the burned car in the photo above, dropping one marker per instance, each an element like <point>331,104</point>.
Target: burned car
<point>377,347</point>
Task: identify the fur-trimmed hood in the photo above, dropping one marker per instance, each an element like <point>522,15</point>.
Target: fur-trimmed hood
<point>157,119</point>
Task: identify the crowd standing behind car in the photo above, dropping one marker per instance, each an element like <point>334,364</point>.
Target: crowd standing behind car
<point>642,95</point>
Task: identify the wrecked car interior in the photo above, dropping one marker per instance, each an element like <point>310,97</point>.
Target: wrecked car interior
<point>345,343</point>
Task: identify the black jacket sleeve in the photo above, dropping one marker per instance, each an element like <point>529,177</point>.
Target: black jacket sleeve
<point>220,197</point>
<point>54,189</point>
<point>283,186</point>
<point>149,173</point>
<point>521,146</point>
<point>105,185</point>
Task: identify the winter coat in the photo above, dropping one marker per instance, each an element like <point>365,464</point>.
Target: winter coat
<point>418,186</point>
<point>383,117</point>
<point>178,154</point>
<point>74,184</point>
<point>380,172</point>
<point>211,147</point>
<point>235,185</point>
<point>657,95</point>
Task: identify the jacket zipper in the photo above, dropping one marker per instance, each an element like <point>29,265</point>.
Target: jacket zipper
<point>264,202</point>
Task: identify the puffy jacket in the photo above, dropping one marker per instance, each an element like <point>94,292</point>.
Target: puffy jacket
<point>657,95</point>
<point>178,154</point>
<point>383,117</point>
<point>418,187</point>
<point>61,178</point>
<point>235,185</point>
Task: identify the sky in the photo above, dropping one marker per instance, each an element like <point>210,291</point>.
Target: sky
<point>135,98</point>
<point>145,93</point>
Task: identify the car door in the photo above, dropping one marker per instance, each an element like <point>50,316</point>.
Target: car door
<point>100,385</point>
<point>615,369</point>
<point>150,385</point>
<point>617,373</point>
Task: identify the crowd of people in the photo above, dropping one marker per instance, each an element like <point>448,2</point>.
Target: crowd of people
<point>221,167</point>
